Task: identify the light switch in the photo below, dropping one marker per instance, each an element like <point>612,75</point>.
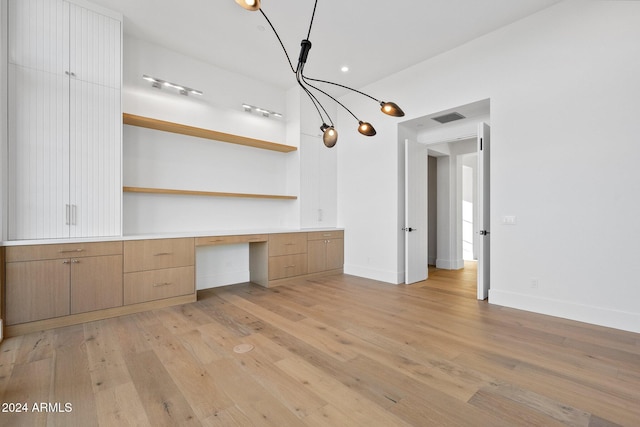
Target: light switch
<point>509,220</point>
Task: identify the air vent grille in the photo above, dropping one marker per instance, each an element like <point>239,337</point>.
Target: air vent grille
<point>449,117</point>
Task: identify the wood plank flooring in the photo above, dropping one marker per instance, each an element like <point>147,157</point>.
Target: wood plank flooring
<point>332,351</point>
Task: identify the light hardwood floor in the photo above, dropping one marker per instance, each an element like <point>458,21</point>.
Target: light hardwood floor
<point>332,351</point>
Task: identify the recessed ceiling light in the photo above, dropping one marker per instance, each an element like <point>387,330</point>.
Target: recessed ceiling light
<point>344,69</point>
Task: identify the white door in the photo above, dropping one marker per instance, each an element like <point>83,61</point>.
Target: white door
<point>415,225</point>
<point>483,210</point>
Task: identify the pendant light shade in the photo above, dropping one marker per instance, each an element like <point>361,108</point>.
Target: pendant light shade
<point>251,5</point>
<point>366,129</point>
<point>392,109</point>
<point>309,86</point>
<point>329,136</point>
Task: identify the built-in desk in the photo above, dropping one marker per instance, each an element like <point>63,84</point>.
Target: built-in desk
<point>49,284</point>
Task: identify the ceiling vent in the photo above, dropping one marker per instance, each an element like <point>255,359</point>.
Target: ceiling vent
<point>450,117</point>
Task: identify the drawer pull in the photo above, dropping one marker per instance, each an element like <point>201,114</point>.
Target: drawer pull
<point>163,253</point>
<point>289,244</point>
<point>290,266</point>
<point>216,241</point>
<point>327,234</point>
<point>157,285</point>
<point>70,251</point>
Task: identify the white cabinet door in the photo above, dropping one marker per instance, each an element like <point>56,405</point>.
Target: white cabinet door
<point>94,47</point>
<point>38,152</point>
<point>95,193</point>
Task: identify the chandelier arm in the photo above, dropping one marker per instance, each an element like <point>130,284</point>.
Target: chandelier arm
<point>304,79</point>
<point>315,101</point>
<point>342,86</point>
<point>280,40</point>
<point>312,16</point>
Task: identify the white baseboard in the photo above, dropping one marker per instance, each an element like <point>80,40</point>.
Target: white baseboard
<point>393,277</point>
<point>450,264</point>
<point>625,321</point>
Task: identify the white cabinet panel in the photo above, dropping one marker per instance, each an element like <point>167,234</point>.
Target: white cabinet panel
<point>37,35</point>
<point>94,47</point>
<point>65,121</point>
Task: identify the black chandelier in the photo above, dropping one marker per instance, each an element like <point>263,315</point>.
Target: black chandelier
<point>330,135</point>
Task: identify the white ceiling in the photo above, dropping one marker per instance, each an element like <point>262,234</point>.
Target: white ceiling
<point>374,38</point>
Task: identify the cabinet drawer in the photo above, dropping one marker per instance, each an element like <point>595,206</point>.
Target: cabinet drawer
<point>321,235</point>
<point>158,284</point>
<point>287,244</point>
<point>60,251</point>
<point>143,255</point>
<point>228,240</point>
<point>284,266</point>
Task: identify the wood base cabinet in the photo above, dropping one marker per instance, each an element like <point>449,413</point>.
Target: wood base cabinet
<point>325,251</point>
<point>158,269</point>
<point>48,281</point>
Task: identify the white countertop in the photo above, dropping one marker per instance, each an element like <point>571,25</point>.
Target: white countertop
<point>171,235</point>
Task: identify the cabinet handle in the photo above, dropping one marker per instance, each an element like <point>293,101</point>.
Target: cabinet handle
<point>290,266</point>
<point>67,214</point>
<point>68,73</point>
<point>163,253</point>
<point>70,250</point>
<point>216,241</point>
<point>75,261</point>
<point>289,244</point>
<point>327,234</point>
<point>66,261</point>
<point>73,214</point>
<point>157,285</point>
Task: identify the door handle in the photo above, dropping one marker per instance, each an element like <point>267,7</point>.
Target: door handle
<point>409,229</point>
<point>483,232</point>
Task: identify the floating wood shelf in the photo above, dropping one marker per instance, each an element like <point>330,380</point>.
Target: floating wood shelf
<point>205,193</point>
<point>146,122</point>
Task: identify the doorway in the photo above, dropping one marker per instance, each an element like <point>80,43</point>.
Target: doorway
<point>456,229</point>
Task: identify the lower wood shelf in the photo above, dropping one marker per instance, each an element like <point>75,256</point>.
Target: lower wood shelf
<point>205,193</point>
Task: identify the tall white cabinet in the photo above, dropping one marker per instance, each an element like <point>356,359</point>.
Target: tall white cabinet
<point>64,120</point>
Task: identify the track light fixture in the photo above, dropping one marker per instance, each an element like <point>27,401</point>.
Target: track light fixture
<point>330,135</point>
<point>182,90</point>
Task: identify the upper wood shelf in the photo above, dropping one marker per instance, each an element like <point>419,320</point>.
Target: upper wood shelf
<point>147,122</point>
<point>205,193</point>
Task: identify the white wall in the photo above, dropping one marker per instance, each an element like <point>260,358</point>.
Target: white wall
<point>165,160</point>
<point>564,94</point>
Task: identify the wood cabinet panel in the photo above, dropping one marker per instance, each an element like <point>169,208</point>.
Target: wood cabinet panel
<point>143,255</point>
<point>287,266</point>
<point>335,254</point>
<point>158,284</point>
<point>61,251</point>
<point>96,283</point>
<point>322,235</point>
<point>287,244</point>
<point>37,290</point>
<point>228,240</point>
